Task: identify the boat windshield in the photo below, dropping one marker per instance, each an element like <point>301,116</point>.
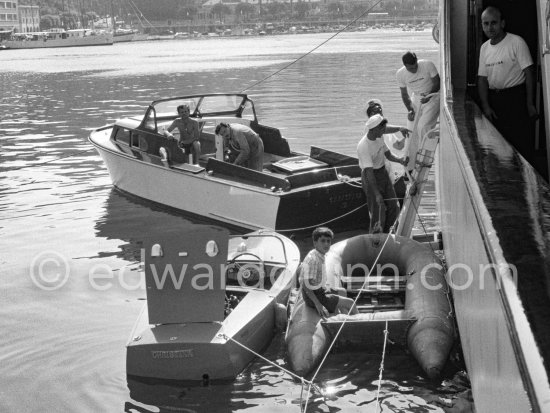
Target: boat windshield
<point>269,248</point>
<point>209,105</point>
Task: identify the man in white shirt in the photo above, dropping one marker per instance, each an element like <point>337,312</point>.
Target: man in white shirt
<point>506,83</point>
<point>377,185</point>
<point>394,138</point>
<point>419,83</point>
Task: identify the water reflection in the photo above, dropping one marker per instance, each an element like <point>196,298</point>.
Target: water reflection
<point>349,381</point>
<point>57,195</point>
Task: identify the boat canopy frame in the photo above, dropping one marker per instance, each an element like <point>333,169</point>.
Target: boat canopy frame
<point>201,106</point>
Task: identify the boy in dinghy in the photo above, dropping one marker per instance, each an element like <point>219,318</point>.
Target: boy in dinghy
<point>313,277</point>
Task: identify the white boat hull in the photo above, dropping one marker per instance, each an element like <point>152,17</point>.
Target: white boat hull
<point>201,352</point>
<point>217,200</point>
<point>208,335</point>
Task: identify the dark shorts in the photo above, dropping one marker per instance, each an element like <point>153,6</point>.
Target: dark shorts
<point>187,146</point>
<point>328,300</point>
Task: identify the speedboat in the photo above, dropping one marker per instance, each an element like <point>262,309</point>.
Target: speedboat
<point>405,294</point>
<point>293,192</point>
<point>212,303</point>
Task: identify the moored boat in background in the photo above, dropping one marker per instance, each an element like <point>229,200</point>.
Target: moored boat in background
<point>59,38</point>
<point>124,35</point>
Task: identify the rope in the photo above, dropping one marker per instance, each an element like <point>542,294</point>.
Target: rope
<point>322,223</point>
<point>302,380</point>
<point>349,312</point>
<point>312,50</point>
<point>381,369</point>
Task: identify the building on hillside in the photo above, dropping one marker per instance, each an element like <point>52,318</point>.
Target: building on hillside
<point>8,17</point>
<point>29,18</point>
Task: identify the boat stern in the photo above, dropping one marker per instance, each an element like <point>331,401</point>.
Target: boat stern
<point>193,352</point>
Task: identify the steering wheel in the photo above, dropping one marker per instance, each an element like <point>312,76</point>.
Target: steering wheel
<point>250,273</point>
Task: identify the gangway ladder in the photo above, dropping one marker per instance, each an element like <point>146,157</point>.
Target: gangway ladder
<point>424,160</point>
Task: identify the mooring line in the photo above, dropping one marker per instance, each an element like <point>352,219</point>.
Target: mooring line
<point>302,379</point>
<point>381,369</point>
<point>323,223</point>
<point>312,50</point>
<point>349,311</point>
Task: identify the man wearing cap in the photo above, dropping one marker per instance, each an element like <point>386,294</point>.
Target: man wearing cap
<point>506,83</point>
<point>395,141</point>
<point>420,78</point>
<point>377,185</point>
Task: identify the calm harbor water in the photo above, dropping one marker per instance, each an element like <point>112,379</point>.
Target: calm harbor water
<point>64,335</point>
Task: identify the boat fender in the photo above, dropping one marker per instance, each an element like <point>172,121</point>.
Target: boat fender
<point>163,154</point>
<point>281,316</point>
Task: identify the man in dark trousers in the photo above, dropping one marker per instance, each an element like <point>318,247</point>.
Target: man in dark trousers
<point>506,83</point>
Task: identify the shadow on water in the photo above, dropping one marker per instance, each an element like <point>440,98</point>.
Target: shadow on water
<point>348,381</point>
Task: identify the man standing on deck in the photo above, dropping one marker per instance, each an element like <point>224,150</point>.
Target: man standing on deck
<point>421,79</point>
<point>506,83</point>
<point>376,182</point>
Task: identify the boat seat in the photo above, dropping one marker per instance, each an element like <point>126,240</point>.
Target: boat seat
<point>377,303</point>
<point>382,284</point>
<point>194,169</point>
<point>206,156</point>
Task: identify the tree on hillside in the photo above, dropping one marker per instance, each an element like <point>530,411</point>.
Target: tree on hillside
<point>219,10</point>
<point>336,9</point>
<point>357,10</point>
<point>301,9</point>
<point>49,21</point>
<point>276,9</point>
<point>244,10</point>
<point>187,12</point>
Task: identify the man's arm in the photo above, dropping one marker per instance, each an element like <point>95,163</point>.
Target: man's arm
<point>170,129</point>
<point>408,103</point>
<point>390,156</point>
<point>244,148</point>
<point>530,88</point>
<point>483,91</point>
<point>196,133</point>
<point>436,85</point>
<point>394,129</point>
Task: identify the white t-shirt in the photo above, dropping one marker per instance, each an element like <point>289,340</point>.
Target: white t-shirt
<point>371,153</point>
<point>419,82</point>
<point>503,63</point>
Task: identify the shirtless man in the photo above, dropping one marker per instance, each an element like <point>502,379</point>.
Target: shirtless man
<point>189,133</point>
